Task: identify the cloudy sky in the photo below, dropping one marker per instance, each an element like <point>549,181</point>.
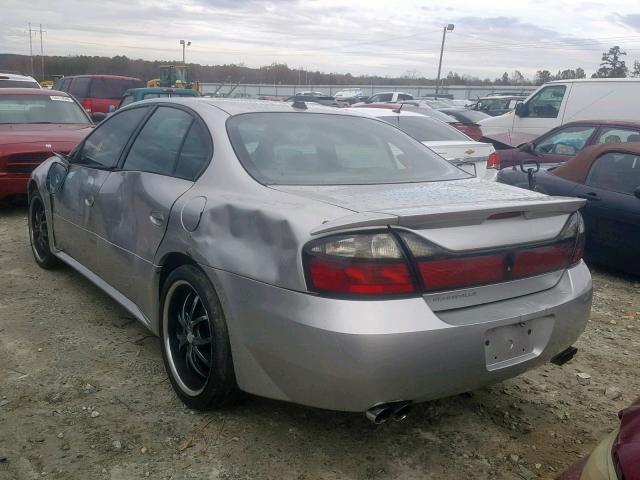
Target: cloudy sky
<point>358,36</point>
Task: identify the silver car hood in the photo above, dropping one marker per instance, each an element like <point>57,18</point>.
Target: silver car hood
<point>433,204</point>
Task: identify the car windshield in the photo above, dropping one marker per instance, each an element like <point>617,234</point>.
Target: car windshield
<point>18,84</point>
<point>323,149</point>
<point>425,129</point>
<point>40,109</point>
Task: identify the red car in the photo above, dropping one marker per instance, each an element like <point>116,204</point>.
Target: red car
<point>97,93</point>
<point>33,124</point>
<point>564,142</point>
<point>617,457</point>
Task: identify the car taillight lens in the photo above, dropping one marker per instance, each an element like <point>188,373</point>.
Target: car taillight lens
<point>358,264</point>
<point>442,269</point>
<point>494,161</point>
<point>375,263</point>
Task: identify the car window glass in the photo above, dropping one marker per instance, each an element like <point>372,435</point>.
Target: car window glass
<point>79,86</point>
<point>546,103</point>
<point>126,100</point>
<point>323,149</point>
<point>103,147</point>
<point>567,141</point>
<point>111,88</point>
<point>619,172</point>
<point>618,135</point>
<point>382,97</point>
<point>425,129</point>
<point>195,153</point>
<point>156,148</point>
<point>403,96</point>
<point>64,85</point>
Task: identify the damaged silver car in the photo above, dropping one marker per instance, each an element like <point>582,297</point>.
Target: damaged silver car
<point>311,255</point>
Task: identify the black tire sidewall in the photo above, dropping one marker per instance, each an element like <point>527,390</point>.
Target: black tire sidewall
<point>221,384</point>
<point>49,260</point>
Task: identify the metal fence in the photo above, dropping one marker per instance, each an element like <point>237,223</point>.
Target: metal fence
<point>243,90</point>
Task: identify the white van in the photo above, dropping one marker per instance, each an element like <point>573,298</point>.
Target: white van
<point>562,101</point>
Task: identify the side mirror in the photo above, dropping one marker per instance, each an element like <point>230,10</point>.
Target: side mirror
<point>112,108</point>
<point>636,192</point>
<point>97,117</point>
<point>528,147</point>
<point>56,176</point>
<point>521,110</point>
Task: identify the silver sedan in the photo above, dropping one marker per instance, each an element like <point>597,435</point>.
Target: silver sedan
<point>312,255</point>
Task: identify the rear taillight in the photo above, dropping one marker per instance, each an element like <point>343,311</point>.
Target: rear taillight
<point>358,264</point>
<point>494,161</point>
<point>375,264</point>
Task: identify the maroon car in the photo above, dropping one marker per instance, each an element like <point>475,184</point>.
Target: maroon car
<point>97,93</point>
<point>617,457</point>
<point>564,142</point>
<point>33,124</point>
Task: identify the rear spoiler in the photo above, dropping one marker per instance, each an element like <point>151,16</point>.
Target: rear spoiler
<point>452,215</point>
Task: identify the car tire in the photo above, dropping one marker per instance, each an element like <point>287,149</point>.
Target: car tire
<point>195,341</point>
<point>39,234</point>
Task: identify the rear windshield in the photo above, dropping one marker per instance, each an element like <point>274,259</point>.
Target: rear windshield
<point>18,84</point>
<point>280,148</point>
<point>425,129</point>
<point>112,88</point>
<point>40,109</point>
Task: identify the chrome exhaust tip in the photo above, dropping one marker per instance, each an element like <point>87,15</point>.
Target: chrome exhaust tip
<point>382,412</point>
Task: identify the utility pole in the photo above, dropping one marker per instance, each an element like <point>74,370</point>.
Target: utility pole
<point>448,28</point>
<point>31,50</point>
<point>41,54</point>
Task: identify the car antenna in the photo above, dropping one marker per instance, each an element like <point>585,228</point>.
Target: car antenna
<point>299,104</point>
<point>397,110</point>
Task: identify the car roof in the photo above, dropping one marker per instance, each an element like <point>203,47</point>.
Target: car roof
<point>32,91</point>
<point>377,93</point>
<point>595,80</point>
<point>160,90</point>
<point>16,76</point>
<point>611,123</point>
<point>577,168</point>
<point>233,106</point>
<point>115,77</point>
<point>384,112</point>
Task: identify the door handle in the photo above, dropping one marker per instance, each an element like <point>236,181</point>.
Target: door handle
<point>157,218</point>
<point>591,196</point>
<point>88,201</point>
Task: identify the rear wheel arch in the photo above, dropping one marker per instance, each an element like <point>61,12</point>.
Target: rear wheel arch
<point>32,187</point>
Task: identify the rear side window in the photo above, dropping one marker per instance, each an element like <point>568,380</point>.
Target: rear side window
<point>618,172</point>
<point>195,153</point>
<point>618,135</point>
<point>156,148</point>
<point>111,88</point>
<point>79,87</point>
<point>126,100</point>
<point>382,97</point>
<point>404,96</point>
<point>104,146</point>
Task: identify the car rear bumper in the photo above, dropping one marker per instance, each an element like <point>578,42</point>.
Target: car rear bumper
<point>351,355</point>
<point>13,184</point>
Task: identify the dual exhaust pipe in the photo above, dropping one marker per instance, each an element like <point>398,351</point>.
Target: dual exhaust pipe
<point>384,411</point>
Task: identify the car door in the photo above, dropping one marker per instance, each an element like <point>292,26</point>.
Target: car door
<point>135,201</point>
<point>612,213</point>
<point>90,165</point>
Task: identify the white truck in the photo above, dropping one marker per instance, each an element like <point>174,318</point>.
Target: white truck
<point>562,101</point>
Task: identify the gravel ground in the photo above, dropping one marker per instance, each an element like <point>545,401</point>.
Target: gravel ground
<point>83,395</point>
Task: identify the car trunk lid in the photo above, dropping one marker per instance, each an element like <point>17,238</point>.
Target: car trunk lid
<point>461,153</point>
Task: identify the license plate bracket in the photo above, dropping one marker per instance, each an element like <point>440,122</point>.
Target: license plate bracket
<point>508,345</point>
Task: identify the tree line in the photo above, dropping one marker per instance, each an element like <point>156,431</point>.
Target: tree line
<point>612,66</point>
